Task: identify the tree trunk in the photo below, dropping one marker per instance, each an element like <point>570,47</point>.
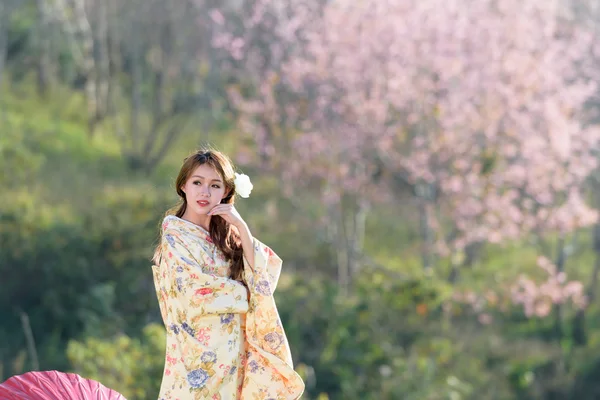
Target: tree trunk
<point>172,134</point>
<point>560,267</point>
<point>42,39</point>
<point>113,40</point>
<point>359,219</point>
<point>337,230</point>
<point>79,33</point>
<point>349,218</point>
<point>423,192</point>
<point>102,60</point>
<point>579,327</point>
<point>5,11</point>
<point>136,97</point>
<point>84,31</point>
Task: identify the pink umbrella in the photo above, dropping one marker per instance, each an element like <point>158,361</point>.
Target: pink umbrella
<point>55,385</point>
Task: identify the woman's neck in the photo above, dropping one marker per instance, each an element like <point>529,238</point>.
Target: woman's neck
<point>203,221</point>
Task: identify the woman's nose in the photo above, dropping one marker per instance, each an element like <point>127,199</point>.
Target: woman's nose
<point>205,190</point>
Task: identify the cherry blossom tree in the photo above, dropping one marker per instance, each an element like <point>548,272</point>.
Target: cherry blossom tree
<point>539,299</point>
<point>472,105</point>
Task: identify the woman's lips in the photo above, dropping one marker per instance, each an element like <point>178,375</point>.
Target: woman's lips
<point>202,203</point>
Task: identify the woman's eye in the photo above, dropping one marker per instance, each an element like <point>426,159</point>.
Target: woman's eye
<point>217,186</point>
<point>197,183</point>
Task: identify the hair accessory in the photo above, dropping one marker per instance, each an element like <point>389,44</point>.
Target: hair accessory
<point>243,186</point>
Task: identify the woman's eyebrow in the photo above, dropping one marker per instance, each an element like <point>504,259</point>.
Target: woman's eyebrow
<point>201,177</point>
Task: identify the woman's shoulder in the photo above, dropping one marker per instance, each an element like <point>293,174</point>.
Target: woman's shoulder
<point>173,225</point>
<point>170,225</point>
<point>173,222</point>
<point>169,221</point>
<point>178,231</point>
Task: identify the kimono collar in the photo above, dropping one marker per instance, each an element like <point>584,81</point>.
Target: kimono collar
<point>172,221</point>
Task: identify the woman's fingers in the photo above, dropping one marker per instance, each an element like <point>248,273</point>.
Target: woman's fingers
<point>222,208</point>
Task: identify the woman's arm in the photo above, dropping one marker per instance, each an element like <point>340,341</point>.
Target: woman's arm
<point>231,215</point>
<point>252,247</point>
<point>198,293</point>
<point>247,243</point>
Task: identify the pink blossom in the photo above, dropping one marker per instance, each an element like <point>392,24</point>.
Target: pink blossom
<point>537,299</point>
<point>479,102</point>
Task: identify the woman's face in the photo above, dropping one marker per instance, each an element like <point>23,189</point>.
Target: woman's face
<point>204,189</point>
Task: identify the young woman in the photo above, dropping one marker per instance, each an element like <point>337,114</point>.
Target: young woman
<point>215,284</point>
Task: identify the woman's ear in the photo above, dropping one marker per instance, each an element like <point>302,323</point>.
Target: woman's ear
<point>226,195</point>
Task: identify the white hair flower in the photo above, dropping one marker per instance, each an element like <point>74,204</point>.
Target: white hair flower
<point>243,186</point>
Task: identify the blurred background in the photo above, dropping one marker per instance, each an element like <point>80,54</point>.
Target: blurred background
<point>427,169</point>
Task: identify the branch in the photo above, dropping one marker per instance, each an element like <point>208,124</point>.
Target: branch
<point>172,134</point>
<point>30,341</point>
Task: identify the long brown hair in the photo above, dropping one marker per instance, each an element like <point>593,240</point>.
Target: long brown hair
<point>222,233</point>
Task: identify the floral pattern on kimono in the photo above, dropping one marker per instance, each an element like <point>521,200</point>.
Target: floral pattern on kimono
<point>224,340</point>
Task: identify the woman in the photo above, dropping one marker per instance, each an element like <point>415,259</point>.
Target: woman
<point>215,285</point>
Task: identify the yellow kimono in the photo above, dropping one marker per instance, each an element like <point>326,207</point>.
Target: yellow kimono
<point>220,345</point>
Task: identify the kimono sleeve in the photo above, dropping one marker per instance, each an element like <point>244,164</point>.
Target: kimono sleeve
<point>198,293</point>
<point>267,263</point>
<point>269,370</point>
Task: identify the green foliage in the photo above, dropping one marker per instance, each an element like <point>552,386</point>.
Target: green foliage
<point>389,339</point>
<point>370,344</point>
<point>85,267</point>
<point>18,161</point>
<point>131,366</point>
